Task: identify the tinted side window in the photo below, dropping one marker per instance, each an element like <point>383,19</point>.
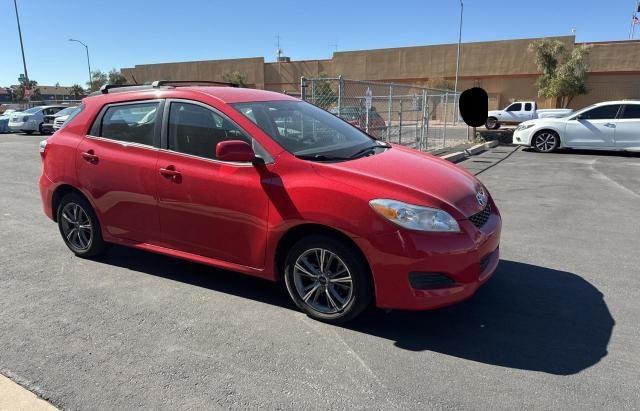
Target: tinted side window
<point>527,107</point>
<point>132,123</point>
<point>631,111</point>
<point>601,113</point>
<point>515,107</point>
<point>196,130</point>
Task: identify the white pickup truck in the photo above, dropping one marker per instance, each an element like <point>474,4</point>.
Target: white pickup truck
<point>520,111</point>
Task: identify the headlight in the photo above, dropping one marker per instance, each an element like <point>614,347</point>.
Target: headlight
<point>415,217</point>
<point>524,126</point>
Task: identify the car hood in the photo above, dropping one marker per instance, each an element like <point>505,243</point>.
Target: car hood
<point>410,176</point>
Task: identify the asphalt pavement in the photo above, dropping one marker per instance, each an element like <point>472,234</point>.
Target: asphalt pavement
<point>556,328</point>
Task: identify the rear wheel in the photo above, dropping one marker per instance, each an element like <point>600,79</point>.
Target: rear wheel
<point>545,141</point>
<point>492,123</point>
<point>327,279</point>
<point>79,226</point>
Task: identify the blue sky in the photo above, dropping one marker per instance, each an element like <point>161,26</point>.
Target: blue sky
<point>124,33</point>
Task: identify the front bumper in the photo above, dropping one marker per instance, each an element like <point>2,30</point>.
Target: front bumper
<point>468,259</point>
<point>523,137</point>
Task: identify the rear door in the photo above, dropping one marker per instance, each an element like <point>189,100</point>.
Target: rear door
<point>593,128</point>
<point>628,126</point>
<point>116,165</point>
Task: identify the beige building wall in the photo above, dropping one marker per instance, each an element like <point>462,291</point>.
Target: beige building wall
<point>506,69</point>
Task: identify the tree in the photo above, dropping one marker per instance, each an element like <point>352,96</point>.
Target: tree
<point>323,94</point>
<point>236,78</point>
<point>115,77</point>
<point>19,92</point>
<point>98,79</point>
<point>563,75</point>
<point>76,92</point>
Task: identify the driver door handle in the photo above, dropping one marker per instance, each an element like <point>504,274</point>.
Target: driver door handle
<point>610,125</point>
<point>171,173</point>
<point>90,157</point>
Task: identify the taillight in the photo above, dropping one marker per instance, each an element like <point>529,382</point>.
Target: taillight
<point>43,148</point>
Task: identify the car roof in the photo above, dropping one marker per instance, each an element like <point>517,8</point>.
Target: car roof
<point>223,94</point>
<point>617,102</point>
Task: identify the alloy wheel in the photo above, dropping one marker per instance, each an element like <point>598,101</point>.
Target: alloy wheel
<point>545,142</point>
<point>76,226</point>
<point>323,281</point>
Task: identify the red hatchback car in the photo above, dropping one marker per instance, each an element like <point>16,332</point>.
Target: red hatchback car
<point>267,185</point>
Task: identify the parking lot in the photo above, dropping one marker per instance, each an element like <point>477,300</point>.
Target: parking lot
<point>557,326</point>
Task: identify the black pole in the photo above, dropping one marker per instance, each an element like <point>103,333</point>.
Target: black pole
<point>24,61</point>
<point>89,65</point>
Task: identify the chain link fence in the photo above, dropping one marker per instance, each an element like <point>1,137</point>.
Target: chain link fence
<point>418,117</point>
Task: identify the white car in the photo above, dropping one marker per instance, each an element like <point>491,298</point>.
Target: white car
<point>611,125</point>
<point>31,120</point>
<point>521,111</point>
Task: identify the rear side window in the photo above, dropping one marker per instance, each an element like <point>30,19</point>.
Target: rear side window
<point>515,107</point>
<point>131,123</point>
<point>196,130</point>
<point>527,107</point>
<point>601,113</point>
<point>631,111</point>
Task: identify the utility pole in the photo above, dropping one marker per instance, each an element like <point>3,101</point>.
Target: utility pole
<point>24,61</point>
<point>455,88</point>
<point>88,63</point>
<point>634,20</point>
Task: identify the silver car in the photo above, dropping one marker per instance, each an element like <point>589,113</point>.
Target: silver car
<point>31,120</point>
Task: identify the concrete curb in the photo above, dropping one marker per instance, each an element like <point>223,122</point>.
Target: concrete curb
<point>471,151</point>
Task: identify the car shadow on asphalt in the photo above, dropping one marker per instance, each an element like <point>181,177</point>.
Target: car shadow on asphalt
<point>585,152</point>
<point>526,317</point>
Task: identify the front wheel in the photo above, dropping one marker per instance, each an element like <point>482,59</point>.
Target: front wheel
<point>327,279</point>
<point>545,141</point>
<point>492,123</point>
<point>79,226</point>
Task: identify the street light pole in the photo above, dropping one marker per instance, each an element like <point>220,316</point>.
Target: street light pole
<point>455,89</point>
<point>24,61</point>
<point>88,62</point>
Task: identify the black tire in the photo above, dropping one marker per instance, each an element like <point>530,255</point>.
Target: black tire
<point>83,242</point>
<point>492,123</point>
<point>28,132</point>
<point>40,129</point>
<point>328,287</point>
<point>545,141</point>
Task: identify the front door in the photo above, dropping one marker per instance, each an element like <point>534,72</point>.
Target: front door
<point>116,165</point>
<point>513,113</point>
<point>208,207</point>
<point>628,127</point>
<point>593,128</point>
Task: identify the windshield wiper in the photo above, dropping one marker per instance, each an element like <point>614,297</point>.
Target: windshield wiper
<point>320,157</point>
<point>367,150</point>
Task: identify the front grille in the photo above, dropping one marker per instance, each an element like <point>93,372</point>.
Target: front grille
<point>429,281</point>
<point>481,218</point>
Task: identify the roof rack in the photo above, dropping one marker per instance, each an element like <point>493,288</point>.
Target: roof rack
<point>177,83</point>
<point>110,88</point>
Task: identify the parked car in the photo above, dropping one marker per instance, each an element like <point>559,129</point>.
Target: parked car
<point>611,125</point>
<point>521,111</point>
<point>357,116</point>
<point>271,186</point>
<point>53,122</point>
<point>31,120</point>
<point>4,121</point>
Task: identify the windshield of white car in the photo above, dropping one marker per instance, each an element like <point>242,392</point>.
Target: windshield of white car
<point>309,132</point>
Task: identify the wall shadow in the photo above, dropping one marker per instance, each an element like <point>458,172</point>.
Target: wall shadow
<point>526,317</point>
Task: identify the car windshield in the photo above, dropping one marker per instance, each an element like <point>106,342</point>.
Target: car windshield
<point>66,111</point>
<point>308,131</point>
<point>32,110</point>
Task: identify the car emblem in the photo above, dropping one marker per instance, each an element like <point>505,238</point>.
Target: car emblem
<point>481,198</point>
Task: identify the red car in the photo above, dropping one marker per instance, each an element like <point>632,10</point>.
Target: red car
<point>267,185</point>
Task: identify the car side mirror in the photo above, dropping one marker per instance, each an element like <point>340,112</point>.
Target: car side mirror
<point>235,150</point>
<point>580,117</point>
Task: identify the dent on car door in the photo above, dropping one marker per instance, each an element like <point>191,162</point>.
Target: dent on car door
<point>628,127</point>
<point>593,128</point>
<point>117,167</point>
<point>208,207</point>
